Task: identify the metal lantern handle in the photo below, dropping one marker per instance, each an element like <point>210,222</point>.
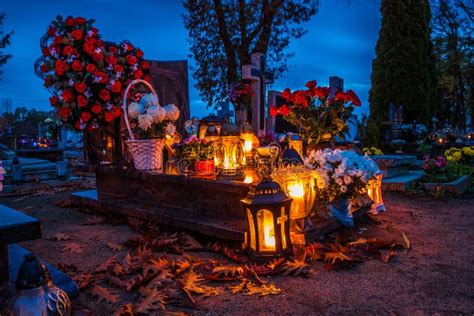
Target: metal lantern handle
<point>125,105</point>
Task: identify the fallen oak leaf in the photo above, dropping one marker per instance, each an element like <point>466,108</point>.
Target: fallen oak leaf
<point>151,300</point>
<point>296,268</point>
<point>190,244</point>
<point>105,294</point>
<point>73,247</point>
<point>226,273</point>
<point>406,241</point>
<point>61,237</point>
<point>82,280</point>
<point>238,288</point>
<point>386,255</point>
<point>114,247</point>
<point>125,310</point>
<point>261,290</point>
<point>333,257</point>
<point>64,267</point>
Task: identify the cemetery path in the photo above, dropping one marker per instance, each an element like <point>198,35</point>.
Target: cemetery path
<point>435,277</point>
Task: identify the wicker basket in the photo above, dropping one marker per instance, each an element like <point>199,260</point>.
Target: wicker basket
<point>147,153</point>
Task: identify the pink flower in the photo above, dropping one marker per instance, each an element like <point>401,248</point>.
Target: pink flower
<point>190,139</point>
<point>440,162</point>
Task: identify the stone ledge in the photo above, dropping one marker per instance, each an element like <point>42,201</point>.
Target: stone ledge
<point>458,186</point>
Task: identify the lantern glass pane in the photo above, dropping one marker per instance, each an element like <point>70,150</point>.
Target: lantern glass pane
<point>252,230</point>
<point>266,230</point>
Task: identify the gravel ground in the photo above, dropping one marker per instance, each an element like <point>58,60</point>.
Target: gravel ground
<point>435,277</point>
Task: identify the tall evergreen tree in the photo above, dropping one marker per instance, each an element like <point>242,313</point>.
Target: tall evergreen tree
<point>4,41</point>
<point>403,71</point>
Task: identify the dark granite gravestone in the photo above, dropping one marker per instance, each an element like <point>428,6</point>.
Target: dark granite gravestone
<point>170,80</point>
<point>396,121</point>
<point>278,124</point>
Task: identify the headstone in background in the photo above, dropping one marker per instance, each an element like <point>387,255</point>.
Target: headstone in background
<point>259,78</point>
<point>225,111</point>
<point>335,83</point>
<point>396,121</point>
<point>170,80</point>
<point>278,124</point>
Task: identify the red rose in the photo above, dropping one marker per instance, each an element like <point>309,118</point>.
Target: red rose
<point>117,111</point>
<point>311,84</point>
<point>129,47</point>
<point>144,64</point>
<point>94,31</point>
<point>51,31</point>
<point>80,87</point>
<point>96,108</point>
<point>89,48</point>
<point>104,95</point>
<point>273,111</point>
<point>116,87</point>
<point>138,74</point>
<point>60,67</point>
<point>82,101</point>
<point>103,76</point>
<point>113,50</point>
<point>44,68</point>
<point>48,82</point>
<point>76,35</point>
<point>340,96</point>
<point>139,53</point>
<point>147,78</point>
<point>131,59</point>
<point>284,110</point>
<point>45,51</point>
<point>58,40</point>
<point>352,97</point>
<point>90,68</point>
<point>69,50</point>
<point>109,116</point>
<point>80,20</point>
<point>299,98</point>
<point>98,57</point>
<point>118,68</point>
<point>54,100</point>
<point>321,92</point>
<point>70,21</point>
<point>67,96</point>
<point>85,116</point>
<point>77,66</point>
<point>111,59</point>
<point>64,112</point>
<point>286,94</point>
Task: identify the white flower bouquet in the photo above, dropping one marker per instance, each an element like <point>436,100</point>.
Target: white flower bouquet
<point>341,173</point>
<point>149,120</point>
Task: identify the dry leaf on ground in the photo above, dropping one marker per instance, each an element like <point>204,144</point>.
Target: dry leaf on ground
<point>105,294</point>
<point>73,247</point>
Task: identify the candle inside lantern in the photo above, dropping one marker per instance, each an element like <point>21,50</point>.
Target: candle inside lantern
<point>247,146</point>
<point>296,191</point>
<point>268,233</point>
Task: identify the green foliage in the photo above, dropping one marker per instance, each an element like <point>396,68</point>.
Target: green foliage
<point>372,151</point>
<point>223,35</point>
<point>195,149</point>
<point>424,148</point>
<point>5,40</point>
<point>403,72</point>
<point>454,52</point>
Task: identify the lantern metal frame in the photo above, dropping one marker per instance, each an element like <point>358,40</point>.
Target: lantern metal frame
<point>229,149</point>
<point>263,198</point>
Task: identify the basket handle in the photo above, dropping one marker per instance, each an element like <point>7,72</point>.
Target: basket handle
<point>125,105</point>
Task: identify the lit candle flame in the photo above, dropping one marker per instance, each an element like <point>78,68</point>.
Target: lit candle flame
<point>268,233</point>
<point>248,146</point>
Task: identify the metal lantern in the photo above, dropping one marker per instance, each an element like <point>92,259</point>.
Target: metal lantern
<point>295,141</point>
<point>300,185</point>
<point>250,141</point>
<point>229,157</point>
<point>36,294</point>
<point>374,191</point>
<point>267,209</point>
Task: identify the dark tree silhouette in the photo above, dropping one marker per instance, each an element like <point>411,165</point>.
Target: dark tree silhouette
<point>5,40</point>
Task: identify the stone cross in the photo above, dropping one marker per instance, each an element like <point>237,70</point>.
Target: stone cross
<point>259,78</point>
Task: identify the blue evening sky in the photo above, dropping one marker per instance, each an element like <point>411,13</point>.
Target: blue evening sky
<point>340,41</point>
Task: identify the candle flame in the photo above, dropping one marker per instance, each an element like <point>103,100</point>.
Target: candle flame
<point>296,189</point>
<point>247,146</point>
<point>268,233</point>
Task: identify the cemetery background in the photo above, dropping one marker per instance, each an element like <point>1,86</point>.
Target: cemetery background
<point>395,166</point>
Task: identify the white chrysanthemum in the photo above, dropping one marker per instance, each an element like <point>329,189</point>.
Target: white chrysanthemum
<point>134,110</point>
<point>145,121</point>
<point>172,112</point>
<point>170,129</point>
<point>149,100</point>
<point>158,113</point>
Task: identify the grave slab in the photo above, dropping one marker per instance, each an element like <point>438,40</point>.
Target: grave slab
<point>394,165</point>
<point>402,182</point>
<point>458,186</point>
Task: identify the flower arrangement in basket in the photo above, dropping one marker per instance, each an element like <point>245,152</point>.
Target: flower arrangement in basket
<point>240,94</point>
<point>319,116</point>
<point>196,156</point>
<point>150,122</point>
<point>86,75</point>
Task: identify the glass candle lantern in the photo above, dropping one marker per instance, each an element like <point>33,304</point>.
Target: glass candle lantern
<point>374,191</point>
<point>250,141</point>
<point>229,157</point>
<point>295,141</point>
<point>267,208</point>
